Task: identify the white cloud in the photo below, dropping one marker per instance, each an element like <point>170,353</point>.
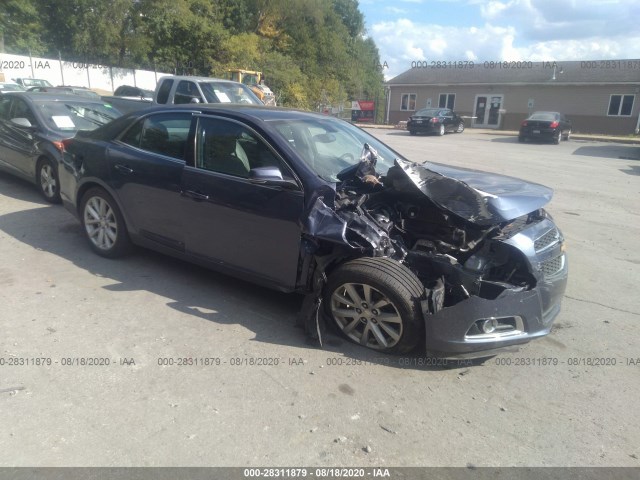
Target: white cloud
<point>541,30</point>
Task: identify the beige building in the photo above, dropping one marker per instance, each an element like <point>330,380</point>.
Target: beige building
<point>597,96</point>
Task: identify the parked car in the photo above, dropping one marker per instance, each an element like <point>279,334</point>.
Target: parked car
<point>82,91</point>
<point>549,126</point>
<point>435,120</point>
<point>176,90</point>
<point>388,251</point>
<point>10,87</point>
<point>32,82</point>
<point>133,92</point>
<point>33,127</point>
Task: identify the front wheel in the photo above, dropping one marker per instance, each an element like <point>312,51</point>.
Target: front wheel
<point>375,302</point>
<point>412,132</point>
<point>47,180</point>
<point>460,127</point>
<point>103,224</point>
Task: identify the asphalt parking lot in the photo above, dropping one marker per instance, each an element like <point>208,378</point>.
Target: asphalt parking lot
<point>96,386</point>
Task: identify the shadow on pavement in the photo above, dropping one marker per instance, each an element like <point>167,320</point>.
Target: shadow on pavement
<point>191,289</point>
<point>625,152</point>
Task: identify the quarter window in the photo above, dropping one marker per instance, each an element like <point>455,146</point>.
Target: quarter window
<point>163,92</point>
<point>408,101</point>
<point>447,100</point>
<point>620,105</point>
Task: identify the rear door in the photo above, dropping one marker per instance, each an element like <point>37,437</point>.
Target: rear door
<point>250,228</point>
<point>146,165</point>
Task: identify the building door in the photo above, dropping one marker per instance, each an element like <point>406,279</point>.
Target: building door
<point>487,111</point>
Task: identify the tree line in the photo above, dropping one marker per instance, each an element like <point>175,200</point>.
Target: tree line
<point>312,52</point>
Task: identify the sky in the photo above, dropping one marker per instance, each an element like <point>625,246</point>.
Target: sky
<point>407,31</point>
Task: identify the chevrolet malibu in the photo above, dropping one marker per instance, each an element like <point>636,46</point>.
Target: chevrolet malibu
<point>390,252</point>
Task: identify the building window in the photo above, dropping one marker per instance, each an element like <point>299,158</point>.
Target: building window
<point>408,101</point>
<point>620,105</point>
<point>447,100</point>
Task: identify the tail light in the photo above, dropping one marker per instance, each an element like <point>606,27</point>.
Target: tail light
<point>434,120</point>
<point>524,123</point>
<point>554,124</point>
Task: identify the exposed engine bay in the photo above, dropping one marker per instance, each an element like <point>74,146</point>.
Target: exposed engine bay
<point>451,235</point>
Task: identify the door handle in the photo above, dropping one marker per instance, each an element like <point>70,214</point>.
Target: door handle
<point>123,169</point>
<point>194,195</point>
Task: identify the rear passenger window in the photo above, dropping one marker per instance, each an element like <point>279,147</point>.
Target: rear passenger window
<point>163,92</point>
<point>165,134</point>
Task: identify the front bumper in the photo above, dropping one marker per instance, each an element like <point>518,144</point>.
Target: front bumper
<point>455,331</point>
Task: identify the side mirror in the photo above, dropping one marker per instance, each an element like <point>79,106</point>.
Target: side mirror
<point>22,122</point>
<point>271,176</point>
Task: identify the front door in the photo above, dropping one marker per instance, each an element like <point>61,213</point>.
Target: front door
<point>246,227</point>
<point>487,111</point>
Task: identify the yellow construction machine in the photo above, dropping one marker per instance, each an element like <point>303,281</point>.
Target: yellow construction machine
<point>254,80</point>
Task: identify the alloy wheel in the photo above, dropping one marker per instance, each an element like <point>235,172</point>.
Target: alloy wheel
<point>100,223</point>
<point>366,316</point>
<point>48,183</point>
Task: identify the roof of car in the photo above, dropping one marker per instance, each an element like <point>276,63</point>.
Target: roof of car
<point>198,79</point>
<point>54,97</point>
<point>260,112</point>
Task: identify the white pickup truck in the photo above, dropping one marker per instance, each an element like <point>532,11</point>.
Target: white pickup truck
<point>180,90</point>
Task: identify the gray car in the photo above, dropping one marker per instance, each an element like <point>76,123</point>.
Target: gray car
<point>33,128</point>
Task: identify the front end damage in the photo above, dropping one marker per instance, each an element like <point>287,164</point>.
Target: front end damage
<point>491,260</point>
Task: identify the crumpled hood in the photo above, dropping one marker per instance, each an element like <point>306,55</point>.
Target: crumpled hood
<point>479,197</point>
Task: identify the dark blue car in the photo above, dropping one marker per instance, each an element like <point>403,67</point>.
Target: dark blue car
<point>389,252</point>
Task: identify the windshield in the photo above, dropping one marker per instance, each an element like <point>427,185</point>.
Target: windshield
<point>329,145</point>
<point>35,82</point>
<point>71,116</point>
<point>8,87</point>
<point>228,92</point>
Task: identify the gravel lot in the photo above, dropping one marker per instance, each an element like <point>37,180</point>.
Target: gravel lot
<point>560,401</point>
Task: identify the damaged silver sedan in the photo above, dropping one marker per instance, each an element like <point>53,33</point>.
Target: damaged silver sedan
<point>391,253</point>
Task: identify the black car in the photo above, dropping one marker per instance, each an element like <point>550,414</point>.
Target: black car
<point>435,120</point>
<point>133,92</point>
<point>390,252</point>
<point>33,127</point>
<point>548,126</point>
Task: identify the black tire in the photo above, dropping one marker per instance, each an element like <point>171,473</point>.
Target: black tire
<point>521,139</point>
<point>47,180</point>
<point>460,127</point>
<point>567,135</point>
<point>558,139</point>
<point>412,132</point>
<point>441,130</point>
<point>100,207</point>
<point>387,281</point>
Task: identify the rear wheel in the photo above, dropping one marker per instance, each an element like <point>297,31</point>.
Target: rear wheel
<point>521,138</point>
<point>47,180</point>
<point>375,302</point>
<point>412,132</point>
<point>460,128</point>
<point>103,224</point>
<point>558,139</point>
<point>441,130</point>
